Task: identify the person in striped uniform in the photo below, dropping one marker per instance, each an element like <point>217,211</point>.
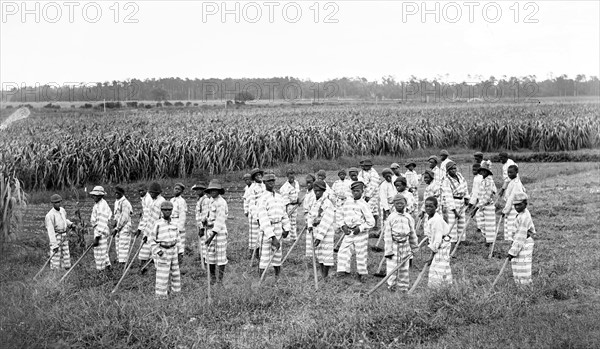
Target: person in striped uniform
<point>521,250</point>
<point>371,180</point>
<point>202,206</point>
<point>444,164</point>
<point>56,223</point>
<point>412,182</point>
<point>320,222</point>
<point>248,180</point>
<point>151,216</point>
<point>274,224</point>
<point>433,167</point>
<point>342,192</point>
<point>256,190</point>
<point>216,231</point>
<point>433,189</point>
<point>164,238</point>
<point>436,229</point>
<point>485,202</point>
<point>179,216</point>
<point>506,163</point>
<point>146,200</point>
<point>122,230</point>
<point>308,201</point>
<point>455,195</point>
<point>508,212</point>
<point>400,242</point>
<point>357,220</point>
<point>401,188</point>
<point>290,191</point>
<point>321,176</point>
<point>101,214</point>
<point>387,191</point>
<point>477,180</point>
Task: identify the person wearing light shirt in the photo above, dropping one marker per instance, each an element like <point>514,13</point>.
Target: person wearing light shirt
<point>56,223</point>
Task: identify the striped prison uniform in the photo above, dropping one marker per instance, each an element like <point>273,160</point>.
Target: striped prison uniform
<point>412,182</point>
<point>321,218</point>
<point>387,191</point>
<point>56,224</point>
<point>216,224</point>
<point>439,176</point>
<point>510,214</point>
<point>273,221</point>
<point>400,237</point>
<point>433,189</point>
<point>255,192</point>
<point>123,212</point>
<point>164,237</point>
<point>439,272</point>
<point>146,203</point>
<point>290,192</point>
<point>522,249</point>
<point>443,172</point>
<point>101,214</point>
<point>371,180</point>
<point>178,217</point>
<point>342,192</point>
<point>477,179</point>
<point>485,203</point>
<point>355,213</point>
<point>309,200</point>
<point>410,201</point>
<point>453,194</point>
<point>202,206</point>
<point>151,216</point>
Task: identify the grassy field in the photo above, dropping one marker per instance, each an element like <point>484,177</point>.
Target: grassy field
<point>559,311</point>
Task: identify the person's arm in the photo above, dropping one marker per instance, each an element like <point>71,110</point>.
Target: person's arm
<point>519,237</point>
<point>369,219</point>
<point>49,221</point>
<point>387,238</point>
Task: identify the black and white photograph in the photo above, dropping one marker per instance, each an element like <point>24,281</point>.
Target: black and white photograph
<point>299,174</point>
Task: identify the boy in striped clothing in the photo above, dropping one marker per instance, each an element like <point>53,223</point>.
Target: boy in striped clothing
<point>477,179</point>
<point>274,224</point>
<point>341,191</point>
<point>248,180</point>
<point>122,230</point>
<point>164,238</point>
<point>436,229</point>
<point>256,190</point>
<point>216,231</point>
<point>371,180</point>
<point>320,222</point>
<point>485,202</point>
<point>290,191</point>
<point>101,214</point>
<point>146,200</point>
<point>509,213</point>
<point>506,163</point>
<point>56,224</point>
<point>521,251</point>
<point>400,185</point>
<point>178,216</point>
<point>433,167</point>
<point>433,189</point>
<point>202,206</point>
<point>308,201</point>
<point>400,242</point>
<point>455,195</point>
<point>412,182</point>
<point>356,221</point>
<point>387,191</point>
<point>151,216</point>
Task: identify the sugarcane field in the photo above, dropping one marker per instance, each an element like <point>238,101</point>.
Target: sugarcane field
<point>287,175</point>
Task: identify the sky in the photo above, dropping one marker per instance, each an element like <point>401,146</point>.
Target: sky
<point>94,41</point>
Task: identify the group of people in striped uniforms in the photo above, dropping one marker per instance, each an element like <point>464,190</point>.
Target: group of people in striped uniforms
<point>355,208</point>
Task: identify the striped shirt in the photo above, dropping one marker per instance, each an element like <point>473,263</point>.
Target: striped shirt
<point>272,212</point>
<point>514,186</point>
<point>101,214</point>
<point>438,175</point>
<point>56,222</point>
<point>163,232</point>
<point>152,214</point>
<point>179,214</point>
<point>357,213</point>
<point>412,179</point>
<point>217,215</point>
<point>123,212</point>
<point>523,223</point>
<point>435,228</point>
<point>255,192</point>
<point>341,190</point>
<point>146,202</point>
<point>322,213</point>
<point>399,228</point>
<point>371,180</point>
<point>245,199</point>
<point>202,207</point>
<point>289,192</point>
<point>487,191</point>
<point>452,188</point>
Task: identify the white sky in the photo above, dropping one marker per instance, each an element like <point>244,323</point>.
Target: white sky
<point>371,39</point>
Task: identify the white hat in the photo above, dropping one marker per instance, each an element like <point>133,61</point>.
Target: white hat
<point>98,190</point>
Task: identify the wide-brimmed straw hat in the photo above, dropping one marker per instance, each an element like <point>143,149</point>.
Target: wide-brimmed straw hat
<point>269,177</point>
<point>98,190</point>
<point>255,172</point>
<point>215,185</point>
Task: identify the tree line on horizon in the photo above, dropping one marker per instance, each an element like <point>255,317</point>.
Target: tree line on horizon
<point>290,88</point>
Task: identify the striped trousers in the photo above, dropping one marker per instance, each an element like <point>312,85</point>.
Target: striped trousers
<point>401,277</point>
<point>521,264</point>
<point>292,212</point>
<point>353,244</point>
<point>479,220</point>
<point>459,227</point>
<point>324,252</point>
<point>62,258</point>
<point>510,224</point>
<point>101,254</point>
<point>439,271</point>
<point>123,240</point>
<point>202,246</point>
<point>266,250</point>
<point>254,232</point>
<point>309,245</point>
<point>145,252</point>
<point>489,222</point>
<point>167,269</point>
<point>216,252</point>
